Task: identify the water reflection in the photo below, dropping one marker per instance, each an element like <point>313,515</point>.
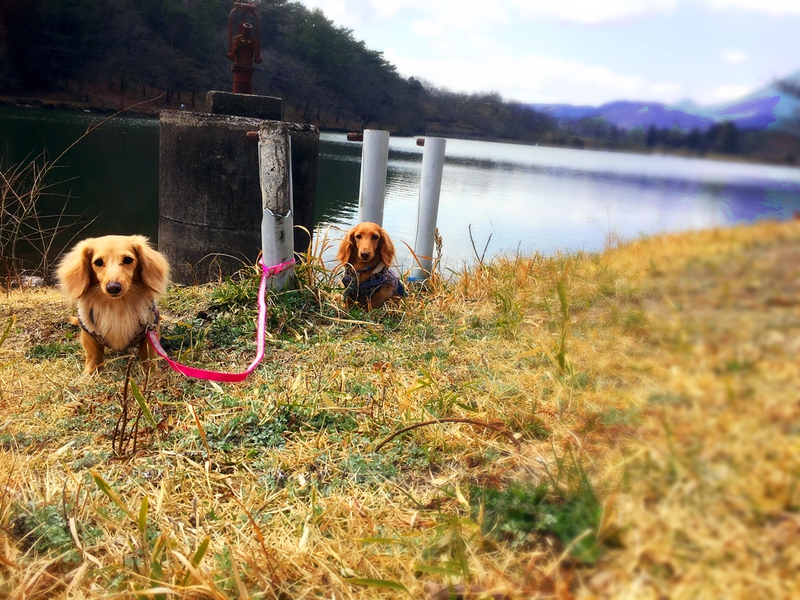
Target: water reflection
<point>526,199</point>
<point>109,179</point>
<point>746,204</point>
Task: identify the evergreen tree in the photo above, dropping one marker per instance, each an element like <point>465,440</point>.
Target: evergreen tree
<point>652,136</point>
<point>727,141</point>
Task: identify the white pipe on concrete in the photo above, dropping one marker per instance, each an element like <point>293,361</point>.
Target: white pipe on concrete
<point>277,221</point>
<point>430,186</point>
<point>374,161</point>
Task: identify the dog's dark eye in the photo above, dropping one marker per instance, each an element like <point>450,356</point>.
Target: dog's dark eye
<point>127,260</point>
<point>98,262</point>
<point>374,236</point>
<point>358,236</point>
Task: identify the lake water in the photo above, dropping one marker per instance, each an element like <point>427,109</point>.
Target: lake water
<point>517,198</point>
<point>529,199</point>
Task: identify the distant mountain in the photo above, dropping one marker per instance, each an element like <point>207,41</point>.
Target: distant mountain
<point>627,114</point>
<point>567,111</point>
<point>767,108</point>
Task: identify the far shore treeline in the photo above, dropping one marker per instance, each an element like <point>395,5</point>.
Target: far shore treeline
<point>109,55</point>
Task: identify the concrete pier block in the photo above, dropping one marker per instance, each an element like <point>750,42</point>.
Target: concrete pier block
<point>210,198</point>
<point>209,195</point>
<point>305,152</point>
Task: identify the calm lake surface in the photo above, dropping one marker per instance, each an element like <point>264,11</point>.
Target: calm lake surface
<point>517,198</point>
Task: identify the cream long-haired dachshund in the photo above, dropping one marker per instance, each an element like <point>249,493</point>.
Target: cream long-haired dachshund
<point>367,253</point>
<point>115,280</point>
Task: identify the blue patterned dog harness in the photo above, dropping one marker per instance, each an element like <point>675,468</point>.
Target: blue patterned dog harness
<point>382,276</point>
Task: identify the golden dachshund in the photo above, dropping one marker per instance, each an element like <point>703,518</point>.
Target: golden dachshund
<point>115,280</point>
<point>367,252</point>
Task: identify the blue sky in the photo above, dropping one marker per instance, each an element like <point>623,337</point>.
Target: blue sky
<point>582,51</point>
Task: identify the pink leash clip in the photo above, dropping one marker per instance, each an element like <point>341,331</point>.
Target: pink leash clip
<point>195,373</point>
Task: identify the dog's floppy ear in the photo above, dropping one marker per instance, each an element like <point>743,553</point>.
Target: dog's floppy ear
<point>345,253</point>
<point>153,267</point>
<point>74,272</point>
<point>387,248</point>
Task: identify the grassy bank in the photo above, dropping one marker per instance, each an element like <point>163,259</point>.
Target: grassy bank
<point>614,425</point>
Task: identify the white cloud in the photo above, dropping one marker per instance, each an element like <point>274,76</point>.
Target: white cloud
<point>733,56</point>
<point>386,9</point>
<point>476,14</point>
<point>664,91</point>
<point>473,14</point>
<point>537,79</point>
<point>772,7</point>
<point>725,93</point>
<point>464,15</point>
<point>593,11</point>
<point>428,28</point>
<point>336,10</point>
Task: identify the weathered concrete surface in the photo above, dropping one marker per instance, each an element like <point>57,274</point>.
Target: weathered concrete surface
<point>266,108</point>
<point>305,152</point>
<point>209,195</point>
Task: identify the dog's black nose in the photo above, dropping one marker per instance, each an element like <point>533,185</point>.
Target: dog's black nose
<point>114,287</point>
<point>364,255</point>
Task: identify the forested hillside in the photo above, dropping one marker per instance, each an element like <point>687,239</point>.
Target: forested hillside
<point>132,50</point>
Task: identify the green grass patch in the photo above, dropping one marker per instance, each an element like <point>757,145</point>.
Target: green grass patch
<point>53,350</point>
<point>521,512</point>
<point>43,529</point>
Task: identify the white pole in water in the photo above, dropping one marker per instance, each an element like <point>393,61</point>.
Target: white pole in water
<point>277,221</point>
<point>430,186</point>
<point>374,161</point>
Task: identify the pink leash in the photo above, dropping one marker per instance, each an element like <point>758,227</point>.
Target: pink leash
<point>262,316</point>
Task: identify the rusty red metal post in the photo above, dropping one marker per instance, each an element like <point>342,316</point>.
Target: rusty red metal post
<point>245,48</point>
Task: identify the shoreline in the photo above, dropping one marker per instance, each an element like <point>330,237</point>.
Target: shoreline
<point>61,103</point>
<point>110,104</point>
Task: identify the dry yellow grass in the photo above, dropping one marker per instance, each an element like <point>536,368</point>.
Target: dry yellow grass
<point>713,498</point>
<point>658,380</point>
